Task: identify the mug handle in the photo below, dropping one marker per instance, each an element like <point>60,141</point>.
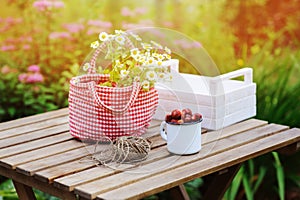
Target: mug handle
<point>162,130</point>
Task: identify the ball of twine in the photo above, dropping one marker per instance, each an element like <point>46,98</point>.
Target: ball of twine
<point>126,149</point>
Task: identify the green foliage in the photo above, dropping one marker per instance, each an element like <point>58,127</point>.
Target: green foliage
<point>192,188</point>
<point>279,88</point>
<point>249,178</point>
<point>278,94</point>
<point>8,192</point>
<point>22,99</point>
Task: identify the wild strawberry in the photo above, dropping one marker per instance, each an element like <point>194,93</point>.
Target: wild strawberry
<point>196,117</point>
<point>174,121</point>
<point>168,118</point>
<point>187,111</point>
<point>176,114</point>
<point>187,119</point>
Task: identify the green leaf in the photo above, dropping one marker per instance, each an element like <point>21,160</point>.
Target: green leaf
<point>51,106</point>
<point>30,101</point>
<point>280,175</point>
<point>11,111</point>
<point>236,183</point>
<point>248,191</point>
<point>261,175</point>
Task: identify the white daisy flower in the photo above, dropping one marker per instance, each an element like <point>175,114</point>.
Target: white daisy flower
<point>86,66</point>
<point>160,56</point>
<point>120,39</point>
<point>150,61</point>
<point>103,36</point>
<point>159,63</point>
<point>151,75</point>
<point>154,54</point>
<point>137,58</point>
<point>124,73</point>
<point>95,44</point>
<point>134,52</point>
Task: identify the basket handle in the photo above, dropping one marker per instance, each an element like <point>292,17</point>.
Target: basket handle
<point>244,72</point>
<point>133,96</point>
<point>92,69</point>
<point>216,83</point>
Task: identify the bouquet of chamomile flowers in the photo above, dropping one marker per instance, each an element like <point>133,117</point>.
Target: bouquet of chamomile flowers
<point>132,60</point>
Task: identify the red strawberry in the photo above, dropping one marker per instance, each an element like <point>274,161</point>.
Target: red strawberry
<point>187,111</point>
<point>187,119</point>
<point>168,118</point>
<point>174,121</point>
<point>196,117</point>
<point>176,114</point>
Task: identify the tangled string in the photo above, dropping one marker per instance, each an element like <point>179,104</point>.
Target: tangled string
<point>126,149</point>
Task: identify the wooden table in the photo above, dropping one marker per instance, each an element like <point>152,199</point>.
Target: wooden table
<point>39,152</point>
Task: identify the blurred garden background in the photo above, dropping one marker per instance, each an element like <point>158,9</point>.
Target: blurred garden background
<point>44,42</point>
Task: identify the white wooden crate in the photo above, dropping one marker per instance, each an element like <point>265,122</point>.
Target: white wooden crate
<point>221,100</point>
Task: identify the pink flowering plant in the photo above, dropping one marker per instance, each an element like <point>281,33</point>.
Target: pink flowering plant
<point>32,75</point>
<point>132,60</point>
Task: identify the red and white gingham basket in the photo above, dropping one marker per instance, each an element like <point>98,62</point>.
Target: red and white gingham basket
<point>96,111</point>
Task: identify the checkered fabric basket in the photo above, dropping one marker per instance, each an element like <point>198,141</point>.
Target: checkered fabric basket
<point>96,111</point>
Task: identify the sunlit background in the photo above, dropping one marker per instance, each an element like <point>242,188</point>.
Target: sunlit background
<point>44,42</point>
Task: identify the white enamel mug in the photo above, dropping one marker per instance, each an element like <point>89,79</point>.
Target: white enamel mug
<point>182,139</point>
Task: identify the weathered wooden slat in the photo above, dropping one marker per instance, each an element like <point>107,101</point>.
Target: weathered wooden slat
<point>34,135</point>
<point>45,163</point>
<point>15,160</point>
<point>233,129</point>
<point>216,135</point>
<point>73,180</point>
<point>173,177</point>
<point>32,182</point>
<point>90,190</point>
<point>69,182</point>
<point>49,174</point>
<point>157,141</point>
<point>28,128</point>
<point>33,119</point>
<point>29,146</point>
